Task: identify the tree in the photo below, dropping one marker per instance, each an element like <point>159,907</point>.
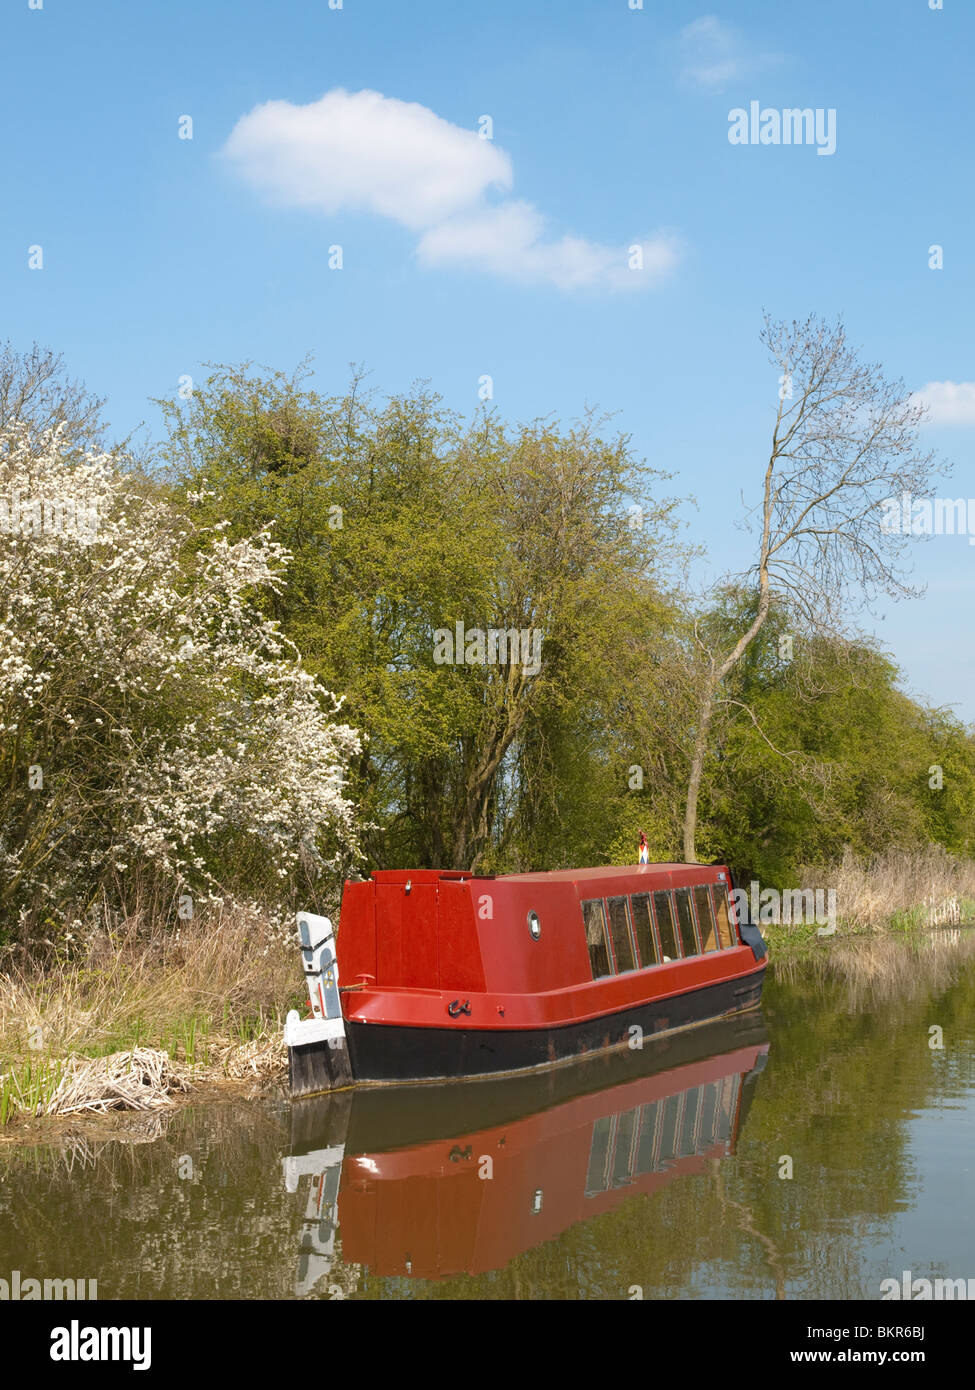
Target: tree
<point>571,567</point>
<point>36,390</point>
<point>844,441</point>
<point>830,755</point>
<point>152,720</point>
<point>404,521</point>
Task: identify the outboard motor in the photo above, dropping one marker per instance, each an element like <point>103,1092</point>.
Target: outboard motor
<point>318,1053</point>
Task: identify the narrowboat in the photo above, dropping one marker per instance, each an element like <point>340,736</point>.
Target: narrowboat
<point>400,1172</point>
<point>440,974</point>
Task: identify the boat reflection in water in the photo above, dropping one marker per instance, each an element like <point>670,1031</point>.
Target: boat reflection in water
<point>433,1181</point>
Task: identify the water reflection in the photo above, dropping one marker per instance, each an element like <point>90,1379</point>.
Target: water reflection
<point>878,1126</point>
<point>432,1182</point>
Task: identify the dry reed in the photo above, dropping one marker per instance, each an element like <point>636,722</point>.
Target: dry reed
<point>210,996</point>
<point>144,1079</point>
<point>231,969</point>
<point>918,888</point>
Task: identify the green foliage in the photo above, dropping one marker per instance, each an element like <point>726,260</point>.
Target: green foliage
<point>400,520</point>
<point>907,919</point>
<point>403,521</point>
<point>820,751</point>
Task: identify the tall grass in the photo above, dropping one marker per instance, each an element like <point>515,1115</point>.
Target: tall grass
<point>28,1088</point>
<point>903,890</point>
<point>226,976</point>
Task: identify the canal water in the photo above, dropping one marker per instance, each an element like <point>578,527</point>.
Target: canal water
<point>812,1151</point>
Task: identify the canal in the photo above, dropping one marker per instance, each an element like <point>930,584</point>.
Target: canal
<point>813,1151</point>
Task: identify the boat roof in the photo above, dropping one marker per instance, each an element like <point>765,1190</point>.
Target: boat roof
<point>603,872</point>
<point>606,871</point>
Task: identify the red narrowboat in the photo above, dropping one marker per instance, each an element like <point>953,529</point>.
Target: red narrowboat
<point>441,974</point>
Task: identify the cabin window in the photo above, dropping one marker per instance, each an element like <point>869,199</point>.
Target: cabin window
<point>646,1158</point>
<point>625,1143</point>
<point>705,917</point>
<point>726,932</point>
<point>594,916</point>
<point>599,1152</point>
<point>670,1126</point>
<point>685,921</point>
<point>727,1108</point>
<point>709,1102</point>
<point>646,942</point>
<point>688,1135</point>
<point>663,907</point>
<point>619,925</point>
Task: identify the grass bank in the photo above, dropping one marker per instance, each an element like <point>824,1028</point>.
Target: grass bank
<point>211,998</point>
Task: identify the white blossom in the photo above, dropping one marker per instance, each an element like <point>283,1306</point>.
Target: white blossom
<point>173,723</point>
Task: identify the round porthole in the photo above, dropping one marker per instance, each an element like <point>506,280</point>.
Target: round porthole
<point>534,925</point>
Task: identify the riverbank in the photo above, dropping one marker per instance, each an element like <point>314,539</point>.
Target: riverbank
<point>55,1096</point>
<point>89,1125</point>
<point>895,894</point>
<point>201,1009</point>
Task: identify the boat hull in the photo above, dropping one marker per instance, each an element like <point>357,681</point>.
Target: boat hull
<point>387,1054</point>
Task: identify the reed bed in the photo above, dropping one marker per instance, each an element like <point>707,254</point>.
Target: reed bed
<point>144,1079</point>
<point>209,998</point>
<point>899,889</point>
<point>264,1057</point>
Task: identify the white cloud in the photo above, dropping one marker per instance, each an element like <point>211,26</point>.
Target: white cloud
<point>714,53</point>
<point>948,402</point>
<point>364,152</point>
<point>509,240</point>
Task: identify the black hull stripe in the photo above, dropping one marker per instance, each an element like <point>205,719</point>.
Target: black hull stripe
<point>381,1053</point>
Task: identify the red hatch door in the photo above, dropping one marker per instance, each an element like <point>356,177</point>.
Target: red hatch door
<point>406,935</point>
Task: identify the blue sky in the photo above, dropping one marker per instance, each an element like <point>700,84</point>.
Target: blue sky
<point>610,128</point>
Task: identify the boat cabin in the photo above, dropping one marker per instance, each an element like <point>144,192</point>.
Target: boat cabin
<point>533,932</point>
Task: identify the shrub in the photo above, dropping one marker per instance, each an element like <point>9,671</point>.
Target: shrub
<point>153,723</point>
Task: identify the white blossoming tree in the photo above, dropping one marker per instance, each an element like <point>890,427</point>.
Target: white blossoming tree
<point>153,724</point>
